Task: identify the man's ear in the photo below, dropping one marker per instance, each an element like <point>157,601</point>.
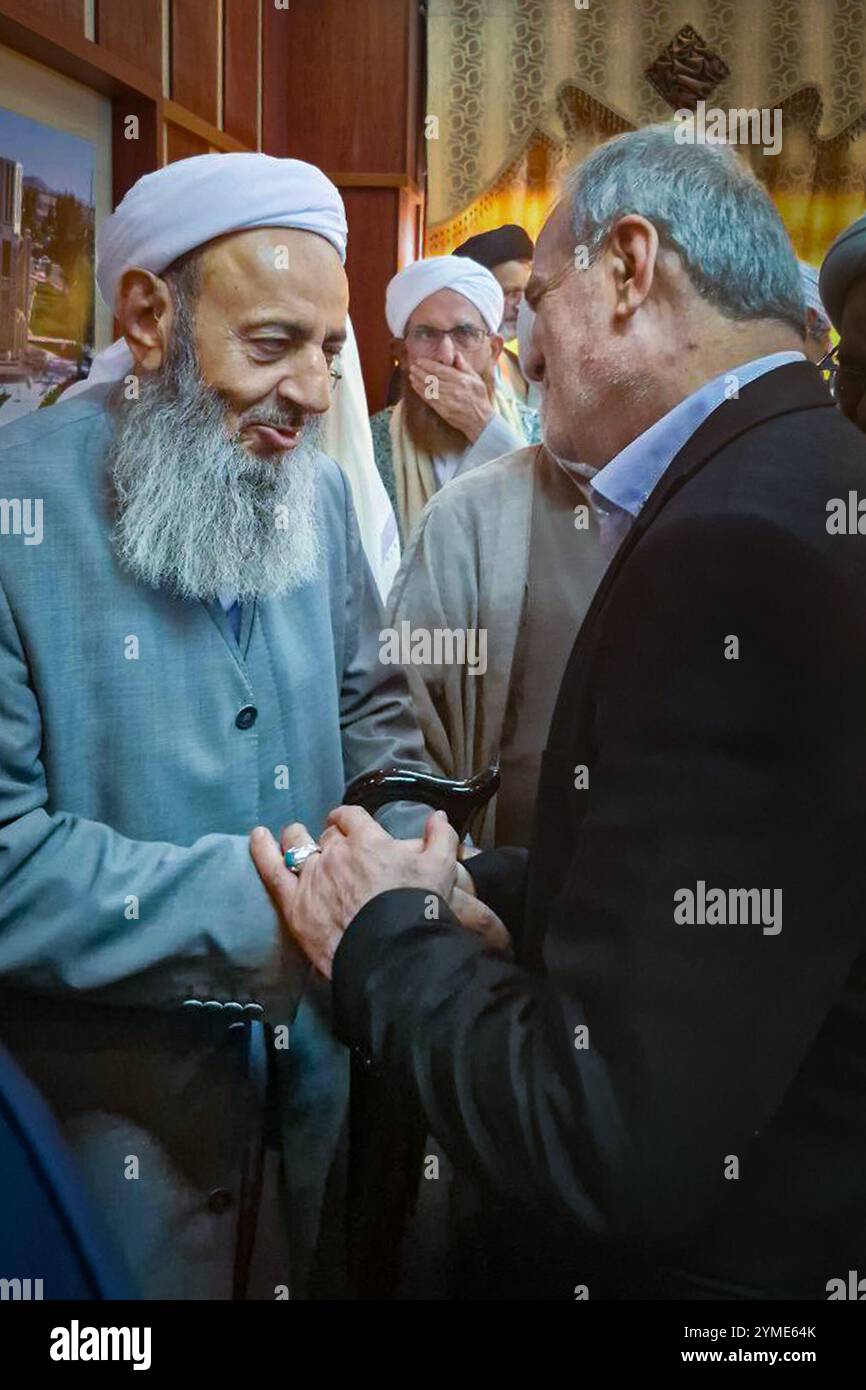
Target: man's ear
<point>633,249</point>
<point>497,343</point>
<point>146,314</point>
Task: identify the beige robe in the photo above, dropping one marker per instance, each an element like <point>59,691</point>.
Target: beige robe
<point>465,567</point>
<point>469,565</point>
<point>414,471</point>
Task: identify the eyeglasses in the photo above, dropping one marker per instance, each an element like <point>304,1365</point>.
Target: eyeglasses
<point>465,335</point>
<point>844,382</point>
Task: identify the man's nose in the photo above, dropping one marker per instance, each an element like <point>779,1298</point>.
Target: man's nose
<point>308,386</point>
<point>446,350</point>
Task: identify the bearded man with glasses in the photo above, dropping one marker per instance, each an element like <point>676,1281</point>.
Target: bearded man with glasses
<point>445,314</point>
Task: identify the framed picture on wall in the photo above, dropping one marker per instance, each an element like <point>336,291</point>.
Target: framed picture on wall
<point>55,153</point>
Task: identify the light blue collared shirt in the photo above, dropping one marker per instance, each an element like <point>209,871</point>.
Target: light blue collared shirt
<point>623,485</point>
<point>232,610</point>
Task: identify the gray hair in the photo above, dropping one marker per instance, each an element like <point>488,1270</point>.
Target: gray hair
<point>183,278</point>
<point>705,204</point>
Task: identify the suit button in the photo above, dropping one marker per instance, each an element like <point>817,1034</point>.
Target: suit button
<point>246,717</point>
<point>219,1201</point>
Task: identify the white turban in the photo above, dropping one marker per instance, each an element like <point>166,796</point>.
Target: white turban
<point>418,281</point>
<point>190,202</point>
<point>194,200</point>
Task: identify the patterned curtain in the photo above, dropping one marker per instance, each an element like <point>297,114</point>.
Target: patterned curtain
<point>522,89</point>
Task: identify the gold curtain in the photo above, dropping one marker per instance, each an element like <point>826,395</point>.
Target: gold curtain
<point>522,89</point>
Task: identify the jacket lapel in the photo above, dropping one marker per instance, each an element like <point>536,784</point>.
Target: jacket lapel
<point>784,390</point>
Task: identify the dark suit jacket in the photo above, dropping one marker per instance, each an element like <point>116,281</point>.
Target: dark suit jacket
<point>710,1137</point>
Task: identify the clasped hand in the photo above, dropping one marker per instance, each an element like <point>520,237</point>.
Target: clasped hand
<point>358,861</point>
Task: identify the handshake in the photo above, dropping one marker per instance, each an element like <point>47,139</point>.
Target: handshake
<point>354,861</point>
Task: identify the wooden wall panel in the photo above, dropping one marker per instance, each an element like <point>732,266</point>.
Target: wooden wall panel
<point>373,215</point>
<point>343,84</point>
<point>241,70</point>
<point>337,83</point>
<point>130,159</point>
<point>66,14</point>
<point>195,55</point>
<point>133,30</point>
<point>415,63</point>
<point>180,144</point>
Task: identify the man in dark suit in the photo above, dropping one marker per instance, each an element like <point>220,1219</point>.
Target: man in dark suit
<point>664,1092</point>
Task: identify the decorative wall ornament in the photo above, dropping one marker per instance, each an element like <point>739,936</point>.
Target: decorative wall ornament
<point>498,70</point>
<point>687,71</point>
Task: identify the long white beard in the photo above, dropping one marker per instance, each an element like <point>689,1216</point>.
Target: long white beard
<point>196,513</point>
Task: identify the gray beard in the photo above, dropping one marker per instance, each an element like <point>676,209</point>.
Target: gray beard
<point>426,429</point>
<point>196,513</point>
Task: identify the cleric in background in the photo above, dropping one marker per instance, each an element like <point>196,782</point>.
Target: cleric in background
<point>191,650</point>
<point>444,314</point>
<point>507,252</point>
<point>843,290</point>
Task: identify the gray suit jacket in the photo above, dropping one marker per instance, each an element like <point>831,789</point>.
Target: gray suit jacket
<point>127,790</point>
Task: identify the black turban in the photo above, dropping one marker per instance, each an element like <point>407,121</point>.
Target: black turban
<point>844,263</point>
<point>508,243</point>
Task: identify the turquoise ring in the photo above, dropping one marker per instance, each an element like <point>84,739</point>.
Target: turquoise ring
<point>295,858</point>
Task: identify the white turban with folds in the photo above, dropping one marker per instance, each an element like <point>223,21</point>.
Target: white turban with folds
<point>190,202</point>
<point>418,281</point>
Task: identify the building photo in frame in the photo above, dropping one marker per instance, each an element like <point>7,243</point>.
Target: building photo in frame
<point>51,168</point>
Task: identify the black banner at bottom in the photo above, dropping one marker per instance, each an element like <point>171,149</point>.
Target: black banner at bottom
<point>242,1338</point>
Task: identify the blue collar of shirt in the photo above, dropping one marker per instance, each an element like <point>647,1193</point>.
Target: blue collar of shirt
<point>632,474</point>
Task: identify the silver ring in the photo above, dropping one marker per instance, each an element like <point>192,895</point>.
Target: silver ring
<point>295,858</point>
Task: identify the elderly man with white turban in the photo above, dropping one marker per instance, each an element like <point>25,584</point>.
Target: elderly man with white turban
<point>444,314</point>
<point>191,650</point>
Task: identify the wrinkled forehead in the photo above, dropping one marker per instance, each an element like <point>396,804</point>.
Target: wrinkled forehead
<point>556,237</point>
<point>277,265</point>
<point>555,245</point>
<point>445,309</point>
